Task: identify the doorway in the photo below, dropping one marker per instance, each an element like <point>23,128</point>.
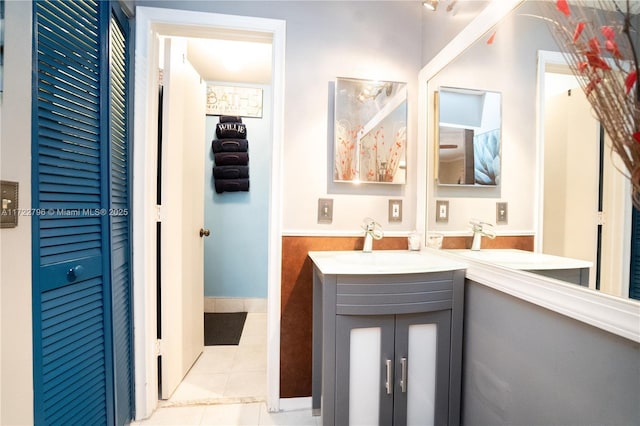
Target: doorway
<point>584,200</point>
<point>152,23</point>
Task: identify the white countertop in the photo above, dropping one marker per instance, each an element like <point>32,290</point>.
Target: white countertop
<point>383,262</point>
<point>521,259</point>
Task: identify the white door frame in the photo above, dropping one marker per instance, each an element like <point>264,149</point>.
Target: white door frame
<point>150,23</point>
<point>615,277</point>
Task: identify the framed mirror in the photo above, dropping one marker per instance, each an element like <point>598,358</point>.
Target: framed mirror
<point>370,131</point>
<point>469,137</point>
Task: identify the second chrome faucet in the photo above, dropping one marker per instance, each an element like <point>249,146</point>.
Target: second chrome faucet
<point>372,231</point>
<point>480,229</point>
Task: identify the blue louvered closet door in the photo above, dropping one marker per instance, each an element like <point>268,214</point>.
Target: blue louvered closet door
<point>634,273</point>
<point>81,277</point>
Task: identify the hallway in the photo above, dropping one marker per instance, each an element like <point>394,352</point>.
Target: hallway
<point>227,386</point>
<point>228,374</point>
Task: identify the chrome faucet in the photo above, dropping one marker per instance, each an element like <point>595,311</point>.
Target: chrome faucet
<point>480,229</point>
<point>372,231</point>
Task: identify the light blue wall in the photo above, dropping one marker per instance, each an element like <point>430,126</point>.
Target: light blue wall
<point>235,255</point>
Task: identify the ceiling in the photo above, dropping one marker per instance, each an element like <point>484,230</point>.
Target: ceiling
<point>234,61</point>
<point>225,56</point>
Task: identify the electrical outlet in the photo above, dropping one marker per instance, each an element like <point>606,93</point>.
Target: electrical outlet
<point>502,213</point>
<point>325,210</point>
<point>442,211</point>
<point>395,210</point>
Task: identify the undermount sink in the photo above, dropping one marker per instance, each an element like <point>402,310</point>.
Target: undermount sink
<point>522,260</point>
<point>381,262</point>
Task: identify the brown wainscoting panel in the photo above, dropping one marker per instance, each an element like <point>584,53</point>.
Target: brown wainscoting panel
<point>522,242</point>
<point>297,296</point>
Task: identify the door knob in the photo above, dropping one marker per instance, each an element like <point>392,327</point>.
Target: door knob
<point>73,273</point>
<point>204,232</point>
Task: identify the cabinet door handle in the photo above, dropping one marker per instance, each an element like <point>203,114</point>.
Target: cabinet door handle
<point>387,384</point>
<point>403,374</point>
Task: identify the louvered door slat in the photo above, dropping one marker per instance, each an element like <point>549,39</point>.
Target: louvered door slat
<point>68,166</point>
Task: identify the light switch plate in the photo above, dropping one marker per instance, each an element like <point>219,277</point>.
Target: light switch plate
<point>502,213</point>
<point>442,211</point>
<point>395,210</point>
<point>9,198</point>
<point>325,210</point>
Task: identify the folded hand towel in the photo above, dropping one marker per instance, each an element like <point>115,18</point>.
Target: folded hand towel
<point>231,185</point>
<point>231,158</point>
<point>230,119</point>
<point>230,145</point>
<point>231,172</point>
<point>231,130</point>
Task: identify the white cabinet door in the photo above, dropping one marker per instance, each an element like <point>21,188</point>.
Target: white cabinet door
<point>364,370</point>
<point>423,343</point>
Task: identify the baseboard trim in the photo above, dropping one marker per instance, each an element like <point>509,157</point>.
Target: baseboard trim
<point>235,304</point>
<point>295,404</point>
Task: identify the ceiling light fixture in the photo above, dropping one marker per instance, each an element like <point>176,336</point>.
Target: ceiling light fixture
<point>431,5</point>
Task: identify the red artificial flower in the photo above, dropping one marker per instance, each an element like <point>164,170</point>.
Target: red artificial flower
<point>563,7</point>
<point>594,44</point>
<point>612,47</point>
<point>592,85</point>
<point>578,31</point>
<point>608,32</point>
<point>491,38</point>
<point>636,136</point>
<point>631,79</point>
<point>582,66</point>
<point>597,62</point>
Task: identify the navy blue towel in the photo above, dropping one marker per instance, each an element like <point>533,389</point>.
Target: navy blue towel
<point>230,119</point>
<point>231,158</point>
<point>231,185</point>
<point>230,145</point>
<point>231,130</point>
<point>231,172</point>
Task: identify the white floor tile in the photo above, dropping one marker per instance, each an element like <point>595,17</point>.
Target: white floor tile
<point>231,414</point>
<point>250,358</point>
<point>247,383</point>
<point>285,418</point>
<point>215,359</point>
<point>228,386</point>
<point>184,416</point>
<point>197,387</point>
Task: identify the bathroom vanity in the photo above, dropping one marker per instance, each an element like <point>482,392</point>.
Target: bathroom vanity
<point>387,337</point>
<point>574,271</point>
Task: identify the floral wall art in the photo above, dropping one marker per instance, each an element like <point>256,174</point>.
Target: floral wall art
<point>370,131</point>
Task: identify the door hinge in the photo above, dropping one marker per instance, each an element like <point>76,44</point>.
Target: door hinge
<point>158,347</point>
<point>601,218</point>
<point>158,213</point>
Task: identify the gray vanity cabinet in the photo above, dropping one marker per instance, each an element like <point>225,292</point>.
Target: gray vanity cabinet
<point>394,363</point>
<point>387,348</point>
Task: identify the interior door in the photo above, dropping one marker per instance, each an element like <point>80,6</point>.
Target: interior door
<point>182,217</point>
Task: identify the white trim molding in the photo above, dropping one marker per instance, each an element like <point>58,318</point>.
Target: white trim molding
<point>616,315</point>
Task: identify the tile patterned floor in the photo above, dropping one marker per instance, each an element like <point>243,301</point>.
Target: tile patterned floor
<point>227,386</point>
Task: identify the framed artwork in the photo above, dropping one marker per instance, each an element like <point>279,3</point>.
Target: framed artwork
<point>370,131</point>
<point>232,100</point>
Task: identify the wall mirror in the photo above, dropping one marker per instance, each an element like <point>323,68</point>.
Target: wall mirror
<point>370,131</point>
<point>469,137</point>
<point>528,114</point>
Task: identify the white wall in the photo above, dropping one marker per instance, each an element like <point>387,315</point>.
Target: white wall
<point>325,40</point>
<point>507,66</point>
<point>16,396</point>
